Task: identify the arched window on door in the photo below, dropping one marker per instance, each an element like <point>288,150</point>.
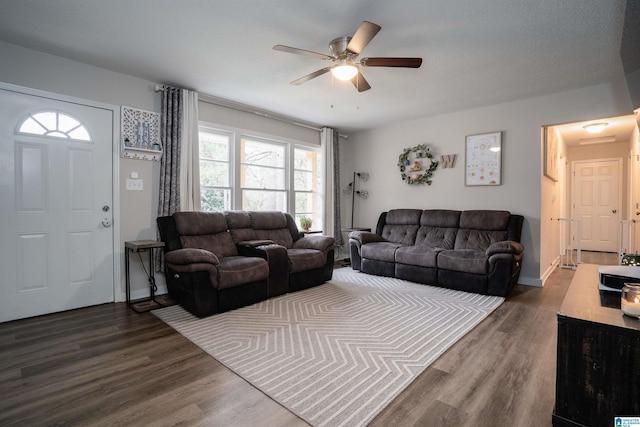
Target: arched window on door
<point>54,124</point>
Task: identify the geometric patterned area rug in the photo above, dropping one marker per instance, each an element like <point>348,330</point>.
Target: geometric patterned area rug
<point>339,353</point>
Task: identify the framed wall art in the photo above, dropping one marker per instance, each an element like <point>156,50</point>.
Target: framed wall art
<point>550,154</point>
<point>483,159</point>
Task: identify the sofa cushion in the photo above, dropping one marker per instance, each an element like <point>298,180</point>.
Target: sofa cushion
<point>480,228</point>
<point>271,225</point>
<point>380,251</point>
<point>418,255</point>
<point>440,218</point>
<point>205,230</point>
<point>485,220</point>
<point>267,220</point>
<point>436,237</point>
<point>478,240</point>
<point>239,224</point>
<point>305,259</point>
<point>319,243</point>
<point>199,223</point>
<point>401,226</point>
<point>239,270</point>
<point>403,216</point>
<point>464,260</point>
<point>402,234</point>
<point>281,236</point>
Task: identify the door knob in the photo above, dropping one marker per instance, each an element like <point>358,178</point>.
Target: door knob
<point>614,211</point>
<point>106,222</point>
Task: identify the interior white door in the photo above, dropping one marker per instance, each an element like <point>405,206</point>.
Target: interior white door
<point>596,203</point>
<point>56,240</point>
<point>635,203</point>
<point>634,190</point>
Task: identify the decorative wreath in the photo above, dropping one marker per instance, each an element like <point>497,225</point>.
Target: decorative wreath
<point>416,174</point>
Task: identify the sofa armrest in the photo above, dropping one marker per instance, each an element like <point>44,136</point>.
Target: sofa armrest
<point>363,237</point>
<point>321,243</point>
<point>279,265</point>
<point>191,256</point>
<point>504,247</point>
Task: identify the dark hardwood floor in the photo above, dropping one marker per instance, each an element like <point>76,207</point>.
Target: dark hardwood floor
<point>107,365</point>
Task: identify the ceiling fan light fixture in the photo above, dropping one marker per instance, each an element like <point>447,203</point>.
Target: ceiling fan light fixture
<point>595,127</point>
<point>344,71</point>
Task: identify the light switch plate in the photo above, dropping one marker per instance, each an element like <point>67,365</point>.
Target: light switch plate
<point>134,184</point>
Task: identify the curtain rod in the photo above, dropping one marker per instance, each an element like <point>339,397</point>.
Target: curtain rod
<point>252,110</point>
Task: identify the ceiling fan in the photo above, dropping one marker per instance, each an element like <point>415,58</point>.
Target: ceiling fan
<point>344,53</point>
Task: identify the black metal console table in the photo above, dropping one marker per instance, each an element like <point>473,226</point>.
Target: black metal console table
<point>136,246</point>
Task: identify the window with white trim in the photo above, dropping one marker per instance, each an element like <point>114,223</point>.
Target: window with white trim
<point>55,124</point>
<point>263,175</point>
<point>252,173</point>
<point>307,185</point>
<point>215,170</point>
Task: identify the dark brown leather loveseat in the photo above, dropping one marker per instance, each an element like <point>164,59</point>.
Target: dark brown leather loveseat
<point>475,251</point>
<point>217,261</point>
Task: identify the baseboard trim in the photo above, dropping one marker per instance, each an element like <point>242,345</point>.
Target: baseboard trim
<point>530,281</point>
<point>143,293</point>
<point>549,270</point>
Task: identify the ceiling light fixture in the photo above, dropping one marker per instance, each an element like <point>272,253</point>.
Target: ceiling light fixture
<point>599,140</point>
<point>595,127</point>
<point>344,71</point>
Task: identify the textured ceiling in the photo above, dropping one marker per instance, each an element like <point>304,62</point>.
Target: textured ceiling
<point>476,52</point>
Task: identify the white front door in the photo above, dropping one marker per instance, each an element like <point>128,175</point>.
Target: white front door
<point>596,203</point>
<point>56,240</point>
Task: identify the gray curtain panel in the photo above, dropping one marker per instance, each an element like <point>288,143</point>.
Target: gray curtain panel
<point>337,221</point>
<point>170,136</point>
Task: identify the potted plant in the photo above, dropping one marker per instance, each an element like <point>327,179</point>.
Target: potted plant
<point>306,222</point>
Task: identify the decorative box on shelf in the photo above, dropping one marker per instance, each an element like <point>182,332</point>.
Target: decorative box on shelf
<point>140,134</point>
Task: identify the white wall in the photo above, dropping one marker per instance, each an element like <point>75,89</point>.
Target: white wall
<point>551,208</point>
<point>376,151</point>
<point>261,126</point>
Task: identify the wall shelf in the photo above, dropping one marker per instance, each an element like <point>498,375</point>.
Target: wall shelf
<point>140,134</point>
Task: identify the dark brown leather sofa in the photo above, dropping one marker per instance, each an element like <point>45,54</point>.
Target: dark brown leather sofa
<point>310,257</point>
<point>217,261</point>
<point>475,251</point>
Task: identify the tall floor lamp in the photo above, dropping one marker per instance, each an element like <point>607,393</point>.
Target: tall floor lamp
<point>351,188</point>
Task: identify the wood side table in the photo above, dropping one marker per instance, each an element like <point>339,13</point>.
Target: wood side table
<point>349,230</point>
<point>311,232</point>
<point>136,246</point>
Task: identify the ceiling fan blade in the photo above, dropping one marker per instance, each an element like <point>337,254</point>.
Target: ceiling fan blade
<point>311,76</point>
<point>363,36</point>
<point>360,82</point>
<point>391,62</point>
<point>295,50</point>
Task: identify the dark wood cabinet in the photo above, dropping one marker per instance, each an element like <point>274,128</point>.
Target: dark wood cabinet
<point>598,356</point>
